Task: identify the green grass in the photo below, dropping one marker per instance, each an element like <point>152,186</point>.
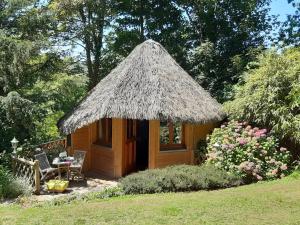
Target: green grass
<point>276,202</point>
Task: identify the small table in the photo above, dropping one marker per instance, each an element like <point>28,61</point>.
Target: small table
<point>63,165</point>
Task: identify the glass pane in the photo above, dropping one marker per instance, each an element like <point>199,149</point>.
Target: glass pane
<point>177,133</point>
<point>164,132</point>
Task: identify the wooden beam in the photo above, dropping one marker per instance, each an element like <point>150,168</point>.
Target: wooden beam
<point>154,143</point>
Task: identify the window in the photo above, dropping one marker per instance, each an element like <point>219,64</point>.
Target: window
<point>105,132</point>
<point>171,135</point>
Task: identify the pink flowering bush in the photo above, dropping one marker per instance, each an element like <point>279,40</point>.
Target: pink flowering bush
<point>248,151</point>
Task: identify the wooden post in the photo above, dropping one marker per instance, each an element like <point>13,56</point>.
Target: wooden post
<point>37,179</point>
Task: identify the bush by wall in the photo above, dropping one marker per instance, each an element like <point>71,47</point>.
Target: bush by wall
<point>252,153</point>
<point>178,179</point>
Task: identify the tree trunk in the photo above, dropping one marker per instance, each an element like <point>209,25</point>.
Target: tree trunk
<point>142,29</point>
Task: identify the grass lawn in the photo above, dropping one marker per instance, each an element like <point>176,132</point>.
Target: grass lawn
<point>276,202</point>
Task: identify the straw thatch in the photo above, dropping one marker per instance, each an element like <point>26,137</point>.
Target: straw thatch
<point>148,84</point>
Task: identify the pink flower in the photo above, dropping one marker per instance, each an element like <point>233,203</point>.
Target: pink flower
<point>283,167</point>
<point>274,172</point>
<point>242,141</point>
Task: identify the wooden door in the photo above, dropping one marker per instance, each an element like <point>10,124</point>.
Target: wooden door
<point>130,148</point>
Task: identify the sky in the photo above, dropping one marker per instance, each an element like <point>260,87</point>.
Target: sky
<point>281,8</point>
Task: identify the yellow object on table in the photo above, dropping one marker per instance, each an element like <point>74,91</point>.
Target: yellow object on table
<point>57,185</point>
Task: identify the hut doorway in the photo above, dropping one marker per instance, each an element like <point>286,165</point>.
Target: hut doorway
<point>142,145</point>
<point>137,145</point>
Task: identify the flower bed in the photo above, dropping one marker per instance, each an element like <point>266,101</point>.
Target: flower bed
<point>252,153</point>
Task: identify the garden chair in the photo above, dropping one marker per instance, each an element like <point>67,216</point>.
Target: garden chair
<point>77,164</point>
<point>45,169</point>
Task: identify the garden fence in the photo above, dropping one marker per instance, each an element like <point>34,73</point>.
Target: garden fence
<point>29,169</point>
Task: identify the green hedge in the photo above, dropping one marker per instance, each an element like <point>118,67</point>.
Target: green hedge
<point>178,179</point>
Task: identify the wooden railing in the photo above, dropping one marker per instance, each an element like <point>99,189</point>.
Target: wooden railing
<point>48,146</point>
<point>29,169</point>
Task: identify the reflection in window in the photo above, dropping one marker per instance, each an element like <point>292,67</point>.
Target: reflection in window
<point>171,135</point>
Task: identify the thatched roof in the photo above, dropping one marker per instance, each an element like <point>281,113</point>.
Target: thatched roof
<point>148,84</point>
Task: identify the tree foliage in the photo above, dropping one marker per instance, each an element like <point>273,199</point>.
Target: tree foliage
<point>290,30</point>
<point>82,23</point>
<point>229,31</point>
<point>270,94</point>
<point>36,83</point>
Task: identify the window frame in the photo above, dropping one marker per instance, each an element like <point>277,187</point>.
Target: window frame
<point>171,146</point>
<point>107,132</point>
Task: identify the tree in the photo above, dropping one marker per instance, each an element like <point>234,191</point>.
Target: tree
<point>16,118</point>
<point>82,23</point>
<point>290,31</point>
<point>138,20</point>
<point>36,83</point>
<point>232,28</point>
<point>270,94</point>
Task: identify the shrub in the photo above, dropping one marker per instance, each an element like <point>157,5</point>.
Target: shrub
<point>12,187</point>
<point>5,160</point>
<point>178,179</point>
<point>270,94</point>
<point>200,151</point>
<point>249,152</point>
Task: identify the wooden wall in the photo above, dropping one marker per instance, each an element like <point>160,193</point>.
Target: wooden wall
<point>201,131</point>
<point>193,133</point>
<point>101,159</point>
<point>111,161</point>
<point>80,140</point>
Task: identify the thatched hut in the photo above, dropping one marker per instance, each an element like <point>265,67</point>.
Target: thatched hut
<point>147,113</point>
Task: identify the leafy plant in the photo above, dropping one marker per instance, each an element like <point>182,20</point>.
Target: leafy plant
<point>177,179</point>
<point>252,153</point>
<point>270,94</point>
<point>201,151</point>
<point>12,187</point>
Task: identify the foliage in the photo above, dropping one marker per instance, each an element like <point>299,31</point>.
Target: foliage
<point>83,23</point>
<point>12,187</point>
<point>270,94</point>
<point>17,117</point>
<point>162,21</point>
<point>252,153</point>
<point>5,160</point>
<point>224,34</point>
<point>55,96</point>
<point>289,32</point>
<point>178,179</point>
<point>37,85</point>
<point>201,151</point>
